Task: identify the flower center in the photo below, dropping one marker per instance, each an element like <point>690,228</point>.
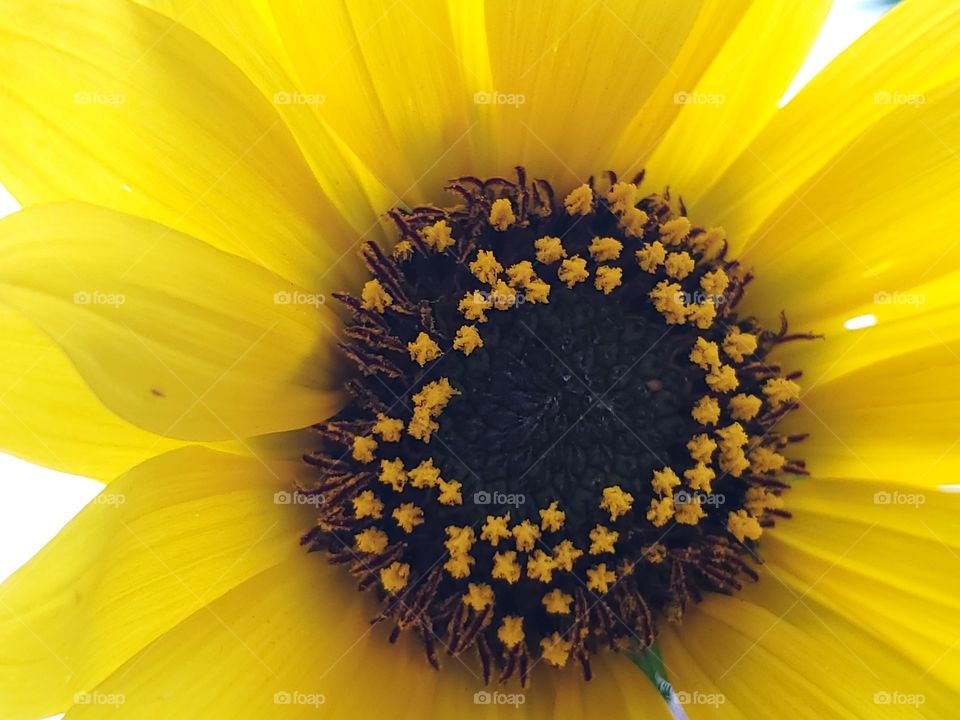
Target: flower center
<point>562,432</point>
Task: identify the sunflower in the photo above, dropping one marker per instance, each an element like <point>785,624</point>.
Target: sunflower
<point>540,325</point>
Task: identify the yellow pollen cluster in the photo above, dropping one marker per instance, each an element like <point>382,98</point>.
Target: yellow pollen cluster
<point>738,344</point>
<point>701,447</point>
<point>744,406</point>
<point>371,540</point>
<point>374,297</point>
<point>668,300</point>
<point>392,473</point>
<point>501,214</point>
<point>651,256</point>
<point>689,512</point>
<point>474,306</point>
<point>540,566</point>
<point>706,411</point>
<point>557,602</point>
<point>599,578</point>
<point>510,632</point>
<point>486,268</point>
<point>428,403</point>
<point>425,475</point>
<point>389,429</point>
<point>579,201</point>
<point>468,339</point>
<point>674,231</point>
<point>505,567</point>
<point>549,250</point>
<point>496,528</point>
<point>565,554</point>
<point>700,476</point>
<point>423,349</point>
<point>605,248</point>
<point>705,354</point>
<point>573,270</point>
<point>363,448</point>
<point>616,501</point>
<point>679,264</point>
<point>552,519</point>
<point>408,516</point>
<point>664,481</point>
<point>763,460</point>
<point>715,282</point>
<point>744,526</point>
<point>608,279</point>
<point>521,274</point>
<point>438,236</point>
<point>367,505</point>
<point>450,493</point>
<point>556,650</point>
<point>526,535</point>
<point>622,197</point>
<point>781,390</point>
<point>479,596</point>
<point>394,577</point>
<point>603,540</point>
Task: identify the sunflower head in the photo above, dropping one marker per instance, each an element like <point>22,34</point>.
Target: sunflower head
<point>562,432</point>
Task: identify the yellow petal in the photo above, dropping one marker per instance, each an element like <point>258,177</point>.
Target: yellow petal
<point>882,216</point>
<point>246,34</point>
<point>736,96</point>
<point>300,632</point>
<point>171,334</point>
<point>712,29</point>
<point>893,419</point>
<point>584,71</point>
<point>884,556</point>
<point>912,49</point>
<point>50,417</point>
<point>138,114</point>
<point>769,650</point>
<point>395,91</point>
<point>883,325</point>
<point>423,93</point>
<point>158,545</point>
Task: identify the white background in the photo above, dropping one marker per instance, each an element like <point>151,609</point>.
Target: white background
<point>35,503</point>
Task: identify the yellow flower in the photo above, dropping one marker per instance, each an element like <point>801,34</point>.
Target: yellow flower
<point>203,183</point>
